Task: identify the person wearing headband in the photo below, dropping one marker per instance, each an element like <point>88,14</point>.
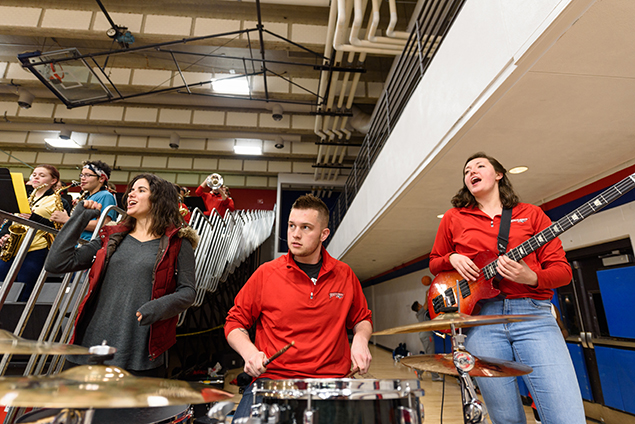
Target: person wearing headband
<point>93,178</point>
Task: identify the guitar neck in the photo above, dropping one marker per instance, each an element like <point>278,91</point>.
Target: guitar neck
<point>563,224</point>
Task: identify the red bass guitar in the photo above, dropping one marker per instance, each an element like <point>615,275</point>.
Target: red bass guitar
<point>443,290</point>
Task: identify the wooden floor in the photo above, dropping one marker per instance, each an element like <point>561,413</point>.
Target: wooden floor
<point>383,367</point>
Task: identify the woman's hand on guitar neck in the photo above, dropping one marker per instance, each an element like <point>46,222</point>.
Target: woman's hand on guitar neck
<point>464,266</point>
<point>517,272</point>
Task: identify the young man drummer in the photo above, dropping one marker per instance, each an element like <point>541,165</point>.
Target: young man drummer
<point>306,297</point>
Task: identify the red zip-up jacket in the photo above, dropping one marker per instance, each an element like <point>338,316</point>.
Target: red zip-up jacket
<point>285,305</point>
<point>469,231</point>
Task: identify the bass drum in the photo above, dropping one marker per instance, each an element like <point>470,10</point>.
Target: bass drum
<point>338,401</point>
<point>174,414</point>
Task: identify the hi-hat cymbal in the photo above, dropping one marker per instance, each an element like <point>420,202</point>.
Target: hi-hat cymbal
<point>483,367</point>
<point>10,343</point>
<point>458,320</point>
<point>102,386</point>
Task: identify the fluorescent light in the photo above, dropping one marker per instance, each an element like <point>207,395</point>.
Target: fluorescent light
<point>230,84</point>
<point>248,150</point>
<point>61,143</point>
<point>440,216</point>
<point>518,170</point>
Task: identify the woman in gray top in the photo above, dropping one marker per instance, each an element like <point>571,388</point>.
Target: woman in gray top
<point>141,278</point>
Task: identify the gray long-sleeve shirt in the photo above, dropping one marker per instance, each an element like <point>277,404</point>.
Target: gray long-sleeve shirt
<point>126,288</point>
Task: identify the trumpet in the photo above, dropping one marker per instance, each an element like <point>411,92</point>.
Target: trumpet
<point>214,181</point>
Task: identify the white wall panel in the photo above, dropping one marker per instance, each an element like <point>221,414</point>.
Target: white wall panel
<point>308,34</point>
<point>180,163</point>
<point>130,20</point>
<point>106,113</point>
<point>206,164</point>
<point>154,162</point>
<point>255,166</point>
<point>16,71</point>
<point>127,161</point>
<point>13,136</point>
<point>38,110</point>
<point>66,19</point>
<point>132,141</point>
<point>175,116</point>
<point>19,16</point>
<point>74,159</point>
<point>141,114</point>
<point>102,140</point>
<point>28,157</point>
<point>230,165</point>
<point>62,112</point>
<point>158,24</point>
<point>50,158</point>
<point>206,26</point>
<point>202,117</point>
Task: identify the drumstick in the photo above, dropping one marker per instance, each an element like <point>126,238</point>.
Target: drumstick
<point>352,373</point>
<point>278,353</point>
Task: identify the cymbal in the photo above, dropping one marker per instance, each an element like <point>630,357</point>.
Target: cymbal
<point>102,386</point>
<point>459,320</point>
<point>483,367</point>
<point>10,343</point>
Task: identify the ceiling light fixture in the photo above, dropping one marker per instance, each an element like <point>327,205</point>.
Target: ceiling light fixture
<point>440,215</point>
<point>68,140</point>
<point>518,170</point>
<point>279,143</point>
<point>230,84</point>
<point>248,147</point>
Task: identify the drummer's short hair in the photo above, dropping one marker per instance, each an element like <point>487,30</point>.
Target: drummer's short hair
<point>309,201</point>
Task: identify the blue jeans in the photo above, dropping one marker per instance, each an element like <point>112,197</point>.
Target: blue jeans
<point>539,344</point>
<point>244,406</point>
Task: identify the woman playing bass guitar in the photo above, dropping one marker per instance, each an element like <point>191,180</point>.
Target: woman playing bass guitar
<point>471,227</point>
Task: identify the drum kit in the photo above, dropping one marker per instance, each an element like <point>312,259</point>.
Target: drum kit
<point>97,393</point>
<point>103,394</point>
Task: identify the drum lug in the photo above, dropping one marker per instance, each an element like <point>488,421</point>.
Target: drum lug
<point>310,416</point>
<point>407,415</point>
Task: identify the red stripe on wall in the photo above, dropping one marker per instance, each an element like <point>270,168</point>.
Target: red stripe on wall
<point>591,188</point>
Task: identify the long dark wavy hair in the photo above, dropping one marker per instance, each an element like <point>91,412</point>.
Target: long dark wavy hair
<point>464,199</point>
<point>164,204</point>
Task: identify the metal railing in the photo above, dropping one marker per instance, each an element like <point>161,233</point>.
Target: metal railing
<point>430,28</point>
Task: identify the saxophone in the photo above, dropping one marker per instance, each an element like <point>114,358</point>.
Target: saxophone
<point>17,232</point>
<point>59,206</point>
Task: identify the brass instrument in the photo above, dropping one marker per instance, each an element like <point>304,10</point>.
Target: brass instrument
<point>81,197</point>
<point>17,232</point>
<point>10,248</point>
<point>214,181</point>
<point>59,206</point>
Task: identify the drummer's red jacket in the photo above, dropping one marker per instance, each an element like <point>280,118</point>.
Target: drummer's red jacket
<point>162,333</point>
<point>287,306</point>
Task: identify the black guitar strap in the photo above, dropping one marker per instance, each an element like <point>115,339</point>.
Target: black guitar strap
<point>503,235</point>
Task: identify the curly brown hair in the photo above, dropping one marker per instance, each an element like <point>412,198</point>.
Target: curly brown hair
<point>309,201</point>
<point>464,199</point>
<point>164,204</point>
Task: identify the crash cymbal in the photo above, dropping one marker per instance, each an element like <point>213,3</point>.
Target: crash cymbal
<point>459,320</point>
<point>482,367</point>
<point>102,386</point>
<point>10,343</point>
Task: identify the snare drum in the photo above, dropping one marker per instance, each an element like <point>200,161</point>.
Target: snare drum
<point>174,414</point>
<point>338,401</point>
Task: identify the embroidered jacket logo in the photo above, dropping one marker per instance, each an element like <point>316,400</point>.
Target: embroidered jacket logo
<point>336,294</point>
<point>519,220</point>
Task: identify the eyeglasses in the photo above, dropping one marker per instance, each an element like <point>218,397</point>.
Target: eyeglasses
<point>87,175</point>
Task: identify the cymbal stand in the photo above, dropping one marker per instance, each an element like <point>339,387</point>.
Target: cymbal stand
<point>474,411</point>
